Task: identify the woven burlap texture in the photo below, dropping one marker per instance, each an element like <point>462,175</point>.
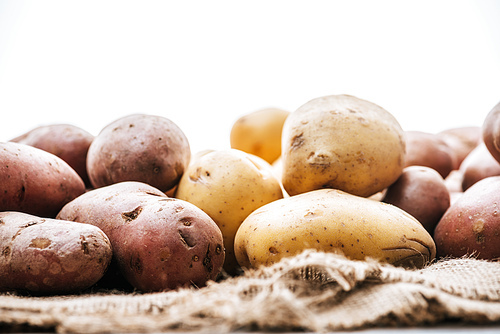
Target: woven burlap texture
<point>313,291</point>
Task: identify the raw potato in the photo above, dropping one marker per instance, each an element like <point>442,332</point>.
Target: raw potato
<point>341,142</point>
<point>429,150</point>
<point>145,148</point>
<point>422,192</point>
<point>159,243</point>
<point>479,164</point>
<point>491,131</point>
<point>259,133</point>
<point>333,221</point>
<point>453,183</point>
<point>228,185</point>
<point>48,256</point>
<point>66,141</point>
<point>35,181</point>
<point>472,223</point>
<point>462,141</point>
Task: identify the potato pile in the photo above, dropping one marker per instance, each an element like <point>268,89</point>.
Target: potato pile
<point>132,205</point>
<point>59,235</point>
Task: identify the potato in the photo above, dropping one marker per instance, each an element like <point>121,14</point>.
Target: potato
<point>331,220</point>
<point>48,256</point>
<point>472,223</point>
<point>228,185</point>
<point>159,243</point>
<point>35,181</point>
<point>429,150</point>
<point>479,164</point>
<point>259,133</point>
<point>453,183</point>
<point>461,141</point>
<point>66,141</point>
<point>277,169</point>
<point>422,192</point>
<point>491,131</point>
<point>145,148</point>
<point>341,142</point>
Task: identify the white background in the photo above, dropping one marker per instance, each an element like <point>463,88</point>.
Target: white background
<point>432,64</point>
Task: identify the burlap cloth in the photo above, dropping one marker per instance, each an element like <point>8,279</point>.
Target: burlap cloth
<point>313,292</point>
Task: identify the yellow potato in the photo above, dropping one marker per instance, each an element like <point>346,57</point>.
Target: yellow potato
<point>259,133</point>
<point>228,185</point>
<point>341,142</point>
<point>333,221</point>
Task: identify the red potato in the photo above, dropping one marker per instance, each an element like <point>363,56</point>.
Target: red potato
<point>421,192</point>
<point>453,183</point>
<point>145,148</point>
<point>472,223</point>
<point>491,131</point>
<point>48,256</point>
<point>159,243</point>
<point>35,181</point>
<point>461,140</point>
<point>66,141</point>
<point>429,150</point>
<point>479,164</point>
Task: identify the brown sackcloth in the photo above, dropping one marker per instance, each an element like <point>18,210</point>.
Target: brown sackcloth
<point>313,292</point>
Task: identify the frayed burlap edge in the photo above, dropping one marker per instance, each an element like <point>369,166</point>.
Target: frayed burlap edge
<point>313,291</point>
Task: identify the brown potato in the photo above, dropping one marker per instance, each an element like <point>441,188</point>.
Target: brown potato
<point>491,131</point>
<point>35,181</point>
<point>66,141</point>
<point>461,140</point>
<point>48,256</point>
<point>478,165</point>
<point>259,133</point>
<point>159,243</point>
<point>144,148</point>
<point>429,150</point>
<point>422,192</point>
<point>472,223</point>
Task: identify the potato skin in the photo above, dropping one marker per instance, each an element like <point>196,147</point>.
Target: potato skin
<point>145,148</point>
<point>461,141</point>
<point>341,142</point>
<point>35,181</point>
<point>479,164</point>
<point>159,243</point>
<point>66,141</point>
<point>472,225</point>
<point>453,183</point>
<point>332,221</point>
<point>228,185</point>
<point>429,150</point>
<point>422,192</point>
<point>491,131</point>
<point>48,256</point>
<point>259,133</point>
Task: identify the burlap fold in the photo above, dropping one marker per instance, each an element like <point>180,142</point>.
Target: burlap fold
<point>313,292</point>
